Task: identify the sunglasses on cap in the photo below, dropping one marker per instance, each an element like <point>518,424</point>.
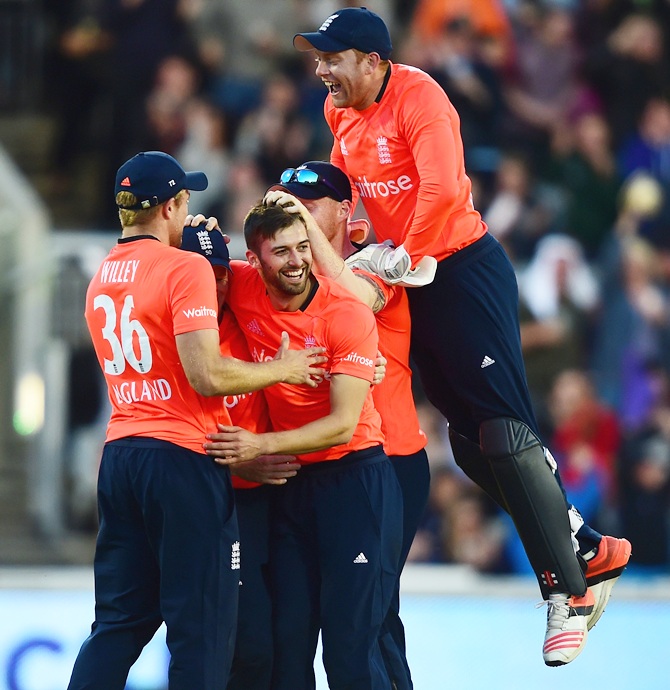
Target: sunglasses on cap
<point>309,178</point>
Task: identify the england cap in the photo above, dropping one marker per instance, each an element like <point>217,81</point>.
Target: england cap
<point>352,27</point>
<point>153,177</point>
<point>209,243</point>
<point>315,180</point>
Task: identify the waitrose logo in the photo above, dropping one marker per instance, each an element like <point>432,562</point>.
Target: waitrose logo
<point>199,311</point>
<point>359,359</point>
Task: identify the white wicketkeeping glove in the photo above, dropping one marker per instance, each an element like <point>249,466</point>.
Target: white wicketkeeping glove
<point>393,265</point>
<point>389,263</point>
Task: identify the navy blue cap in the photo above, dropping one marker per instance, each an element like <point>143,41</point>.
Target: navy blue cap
<point>153,177</point>
<point>327,180</point>
<point>209,243</point>
<point>352,27</point>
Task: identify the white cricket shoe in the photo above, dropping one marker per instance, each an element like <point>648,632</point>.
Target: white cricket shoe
<point>567,618</point>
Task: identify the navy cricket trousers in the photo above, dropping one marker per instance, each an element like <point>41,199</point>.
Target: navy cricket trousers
<point>335,541</point>
<point>467,347</point>
<point>468,316</point>
<point>167,550</point>
<point>252,662</point>
<point>413,472</point>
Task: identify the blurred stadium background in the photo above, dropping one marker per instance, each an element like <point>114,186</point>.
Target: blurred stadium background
<point>469,626</point>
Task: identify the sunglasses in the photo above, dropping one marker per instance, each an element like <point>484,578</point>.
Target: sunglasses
<point>309,178</point>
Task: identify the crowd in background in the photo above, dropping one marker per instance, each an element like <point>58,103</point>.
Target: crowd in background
<point>565,115</point>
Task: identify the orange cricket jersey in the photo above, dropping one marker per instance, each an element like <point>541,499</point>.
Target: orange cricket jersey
<point>404,156</point>
<point>333,319</point>
<point>142,296</point>
<point>248,410</point>
<point>393,397</point>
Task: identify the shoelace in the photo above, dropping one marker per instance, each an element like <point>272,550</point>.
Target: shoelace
<point>558,611</point>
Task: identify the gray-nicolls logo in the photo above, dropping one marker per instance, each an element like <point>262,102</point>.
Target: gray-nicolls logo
<point>383,151</point>
<point>328,22</point>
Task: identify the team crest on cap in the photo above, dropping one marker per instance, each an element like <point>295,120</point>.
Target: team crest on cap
<point>205,241</point>
<point>328,22</point>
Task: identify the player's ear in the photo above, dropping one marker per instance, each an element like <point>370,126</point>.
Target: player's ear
<point>373,59</point>
<point>253,259</point>
<point>167,208</point>
<point>358,230</point>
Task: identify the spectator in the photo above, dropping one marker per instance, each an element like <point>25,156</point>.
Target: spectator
<point>521,210</point>
<point>644,477</point>
<point>558,295</point>
<point>206,144</point>
<point>583,164</point>
<point>275,134</point>
<point>586,441</point>
<point>175,87</point>
<point>474,537</point>
<point>543,84</point>
<point>626,70</point>
<point>648,150</point>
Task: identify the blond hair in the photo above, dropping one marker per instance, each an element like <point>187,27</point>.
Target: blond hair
<point>140,216</point>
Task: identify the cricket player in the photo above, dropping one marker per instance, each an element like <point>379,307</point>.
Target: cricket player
<point>167,547</point>
<point>336,529</point>
<point>321,194</point>
<point>253,481</point>
<point>397,137</point>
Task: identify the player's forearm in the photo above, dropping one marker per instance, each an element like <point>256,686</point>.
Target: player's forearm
<point>329,263</point>
<point>322,433</point>
<point>232,376</point>
<point>327,260</point>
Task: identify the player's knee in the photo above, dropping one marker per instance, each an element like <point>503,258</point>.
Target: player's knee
<point>505,437</point>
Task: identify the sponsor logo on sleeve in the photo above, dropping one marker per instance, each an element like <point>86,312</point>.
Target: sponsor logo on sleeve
<point>359,359</point>
<point>199,311</point>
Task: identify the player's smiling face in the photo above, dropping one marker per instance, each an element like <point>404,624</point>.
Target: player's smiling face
<point>286,261</point>
<point>346,75</point>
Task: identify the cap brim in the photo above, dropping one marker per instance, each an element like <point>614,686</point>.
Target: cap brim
<point>195,181</point>
<point>319,41</point>
<point>219,262</point>
<point>422,274</point>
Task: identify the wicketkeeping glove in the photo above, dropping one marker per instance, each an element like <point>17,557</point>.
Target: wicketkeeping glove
<point>389,263</point>
<point>393,265</point>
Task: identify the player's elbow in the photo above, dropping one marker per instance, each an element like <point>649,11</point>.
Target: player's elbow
<point>202,379</point>
<point>203,384</point>
<point>344,432</point>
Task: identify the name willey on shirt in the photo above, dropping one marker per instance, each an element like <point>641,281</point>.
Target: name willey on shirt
<point>144,389</point>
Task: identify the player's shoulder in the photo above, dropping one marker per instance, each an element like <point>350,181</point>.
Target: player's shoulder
<point>245,286</point>
<point>335,300</point>
<point>406,78</point>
